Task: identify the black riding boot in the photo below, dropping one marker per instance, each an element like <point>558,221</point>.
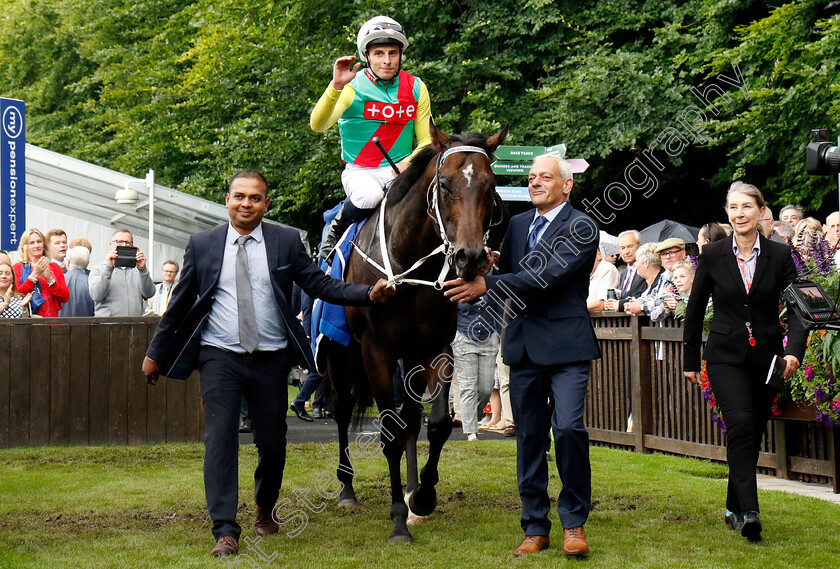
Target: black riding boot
<point>345,216</point>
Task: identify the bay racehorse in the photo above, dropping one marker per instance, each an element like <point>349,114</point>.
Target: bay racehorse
<point>441,209</point>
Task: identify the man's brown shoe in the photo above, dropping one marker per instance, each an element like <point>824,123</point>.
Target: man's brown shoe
<point>574,541</point>
<point>225,546</point>
<point>265,524</point>
<point>532,544</point>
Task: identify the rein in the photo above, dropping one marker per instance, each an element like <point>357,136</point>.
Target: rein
<point>433,209</point>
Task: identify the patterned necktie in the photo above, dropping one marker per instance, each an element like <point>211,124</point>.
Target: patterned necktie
<point>535,232</point>
<point>248,338</point>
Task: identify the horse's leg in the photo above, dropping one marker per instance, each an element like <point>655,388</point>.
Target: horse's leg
<point>411,413</point>
<point>437,372</point>
<point>340,367</point>
<point>380,366</point>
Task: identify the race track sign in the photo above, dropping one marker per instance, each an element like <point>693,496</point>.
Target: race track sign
<point>12,172</point>
<point>516,160</point>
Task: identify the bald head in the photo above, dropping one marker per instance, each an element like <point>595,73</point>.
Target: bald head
<point>832,228</point>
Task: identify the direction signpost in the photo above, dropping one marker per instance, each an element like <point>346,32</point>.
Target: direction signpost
<point>517,160</point>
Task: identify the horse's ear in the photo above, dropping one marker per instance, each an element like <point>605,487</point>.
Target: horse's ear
<point>439,139</point>
<point>494,141</point>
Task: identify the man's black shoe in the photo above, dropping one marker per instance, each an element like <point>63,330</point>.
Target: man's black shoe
<point>316,413</point>
<point>245,425</point>
<point>735,521</point>
<point>301,413</point>
<point>752,526</point>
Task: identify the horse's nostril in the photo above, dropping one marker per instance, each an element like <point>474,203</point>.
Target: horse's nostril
<point>461,258</point>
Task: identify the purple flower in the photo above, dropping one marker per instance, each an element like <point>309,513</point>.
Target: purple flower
<point>825,419</point>
<point>797,260</point>
<point>809,373</point>
<point>819,394</point>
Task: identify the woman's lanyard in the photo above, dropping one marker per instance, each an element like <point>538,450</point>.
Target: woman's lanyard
<point>742,266</point>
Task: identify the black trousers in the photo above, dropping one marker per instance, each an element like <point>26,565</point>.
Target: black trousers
<point>745,402</point>
<point>225,378</point>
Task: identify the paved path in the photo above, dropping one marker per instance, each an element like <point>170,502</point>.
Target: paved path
<point>324,431</point>
<point>802,488</point>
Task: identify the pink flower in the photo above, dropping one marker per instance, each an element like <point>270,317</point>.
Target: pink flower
<point>784,341</point>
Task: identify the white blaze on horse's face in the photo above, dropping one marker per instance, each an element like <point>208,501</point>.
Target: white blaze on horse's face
<point>468,174</point>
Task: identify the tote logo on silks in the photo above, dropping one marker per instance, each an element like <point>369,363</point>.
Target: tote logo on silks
<point>394,112</point>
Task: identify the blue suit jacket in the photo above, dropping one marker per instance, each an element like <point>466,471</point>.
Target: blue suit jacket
<point>175,344</point>
<point>547,289</point>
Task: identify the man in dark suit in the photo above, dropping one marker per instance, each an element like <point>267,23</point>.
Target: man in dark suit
<point>229,317</point>
<point>544,269</point>
<point>631,284</point>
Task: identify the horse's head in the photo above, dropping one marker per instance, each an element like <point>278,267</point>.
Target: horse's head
<point>466,189</point>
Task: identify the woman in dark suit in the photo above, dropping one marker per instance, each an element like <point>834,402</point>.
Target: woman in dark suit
<point>745,276</point>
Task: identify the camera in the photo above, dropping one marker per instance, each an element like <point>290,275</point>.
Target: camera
<point>822,157</point>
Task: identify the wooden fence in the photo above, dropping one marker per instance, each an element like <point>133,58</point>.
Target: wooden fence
<point>78,381</point>
<point>641,373</point>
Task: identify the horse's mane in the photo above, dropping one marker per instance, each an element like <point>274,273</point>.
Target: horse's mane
<point>405,181</point>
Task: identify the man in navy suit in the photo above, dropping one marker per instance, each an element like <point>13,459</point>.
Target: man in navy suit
<point>543,281</point>
<point>229,317</point>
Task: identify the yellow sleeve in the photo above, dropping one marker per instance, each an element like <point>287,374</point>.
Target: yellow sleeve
<point>421,122</point>
<point>330,107</point>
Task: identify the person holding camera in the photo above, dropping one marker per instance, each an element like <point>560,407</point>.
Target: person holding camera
<point>744,276</point>
<point>121,285</point>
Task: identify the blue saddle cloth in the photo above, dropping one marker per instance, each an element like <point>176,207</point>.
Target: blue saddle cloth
<point>330,320</point>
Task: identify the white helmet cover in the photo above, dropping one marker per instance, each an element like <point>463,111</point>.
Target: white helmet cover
<point>382,28</point>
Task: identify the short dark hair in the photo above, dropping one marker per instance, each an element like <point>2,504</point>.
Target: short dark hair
<point>249,175</point>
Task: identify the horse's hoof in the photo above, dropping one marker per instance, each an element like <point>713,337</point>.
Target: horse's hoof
<point>423,501</point>
<point>396,539</point>
<point>348,503</point>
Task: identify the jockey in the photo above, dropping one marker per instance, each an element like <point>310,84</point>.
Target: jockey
<point>385,102</point>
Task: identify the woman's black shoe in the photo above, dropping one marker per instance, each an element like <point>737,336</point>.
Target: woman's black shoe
<point>735,521</point>
<point>752,526</point>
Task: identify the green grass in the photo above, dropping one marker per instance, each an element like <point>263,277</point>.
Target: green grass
<point>143,507</point>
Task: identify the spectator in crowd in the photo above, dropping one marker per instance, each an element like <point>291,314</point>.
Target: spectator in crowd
<point>57,240</point>
<point>163,291</point>
<point>832,229</point>
<point>807,235</point>
<point>604,277</point>
<point>709,233</point>
<point>81,241</point>
<point>631,284</point>
<point>36,274</point>
<point>650,267</point>
<point>792,214</point>
<point>80,304</point>
<point>12,303</point>
<point>671,251</point>
<point>832,235</point>
<point>683,274</point>
<point>4,256</point>
<point>784,231</point>
<point>474,351</point>
<point>744,277</point>
<point>120,291</point>
<point>503,373</point>
<point>769,226</point>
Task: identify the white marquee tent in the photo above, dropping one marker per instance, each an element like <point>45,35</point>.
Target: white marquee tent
<point>79,197</point>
